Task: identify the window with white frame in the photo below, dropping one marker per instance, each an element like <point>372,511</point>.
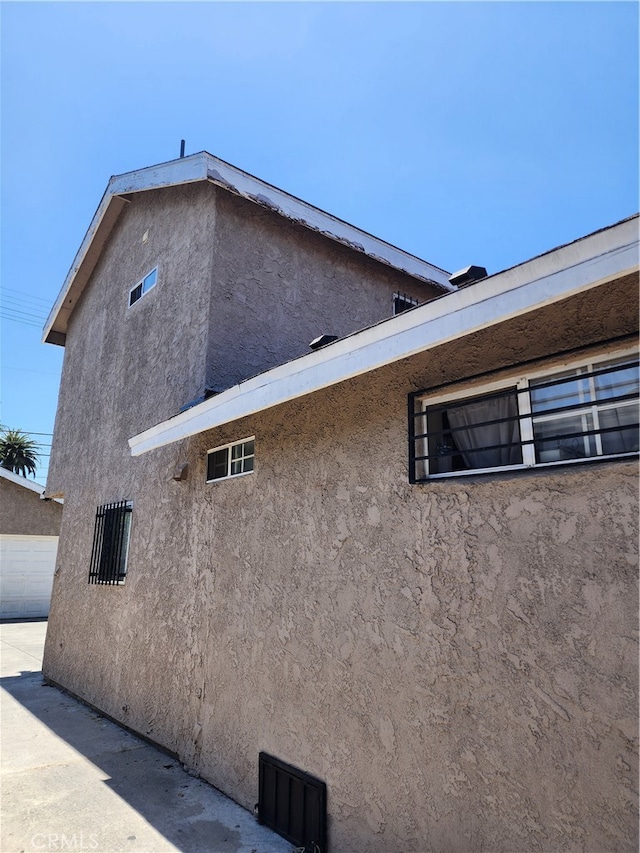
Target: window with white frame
<point>231,460</point>
<point>587,410</point>
<point>143,286</point>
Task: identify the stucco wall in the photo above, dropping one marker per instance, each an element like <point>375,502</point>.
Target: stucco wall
<point>457,660</point>
<point>239,290</point>
<point>22,512</point>
<point>125,367</point>
<point>277,286</point>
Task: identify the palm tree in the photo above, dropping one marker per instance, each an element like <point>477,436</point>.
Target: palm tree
<point>18,452</point>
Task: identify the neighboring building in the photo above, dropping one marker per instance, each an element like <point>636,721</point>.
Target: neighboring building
<point>29,529</point>
<point>443,635</point>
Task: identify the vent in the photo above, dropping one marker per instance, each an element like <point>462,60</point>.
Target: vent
<point>322,341</point>
<point>293,804</point>
<point>469,275</point>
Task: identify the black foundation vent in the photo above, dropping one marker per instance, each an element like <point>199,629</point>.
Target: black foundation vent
<point>293,804</point>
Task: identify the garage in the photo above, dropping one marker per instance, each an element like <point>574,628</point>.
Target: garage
<point>29,528</point>
<point>27,564</point>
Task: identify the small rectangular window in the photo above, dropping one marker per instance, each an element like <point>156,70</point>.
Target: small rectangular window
<point>402,302</point>
<point>231,460</point>
<point>111,543</point>
<point>143,286</point>
<point>589,411</point>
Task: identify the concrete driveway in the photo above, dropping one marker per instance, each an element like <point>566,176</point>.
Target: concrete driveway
<point>72,780</point>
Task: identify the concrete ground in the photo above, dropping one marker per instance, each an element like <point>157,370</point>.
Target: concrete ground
<point>72,780</point>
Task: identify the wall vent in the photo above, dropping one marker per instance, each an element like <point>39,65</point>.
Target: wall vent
<point>293,804</point>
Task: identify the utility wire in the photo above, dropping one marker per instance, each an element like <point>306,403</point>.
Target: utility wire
<point>26,296</point>
<point>24,322</point>
<point>16,299</point>
<point>21,313</point>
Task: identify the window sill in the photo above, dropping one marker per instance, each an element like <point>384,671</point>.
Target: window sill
<point>520,469</point>
<point>229,477</point>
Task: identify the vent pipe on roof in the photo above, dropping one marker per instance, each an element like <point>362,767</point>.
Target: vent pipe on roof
<point>182,148</point>
<point>469,275</point>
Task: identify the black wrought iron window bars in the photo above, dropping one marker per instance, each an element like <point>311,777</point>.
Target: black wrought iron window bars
<point>578,415</point>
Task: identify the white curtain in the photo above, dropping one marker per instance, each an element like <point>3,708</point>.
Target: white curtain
<point>472,432</point>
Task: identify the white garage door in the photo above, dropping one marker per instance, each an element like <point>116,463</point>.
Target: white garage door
<point>27,564</point>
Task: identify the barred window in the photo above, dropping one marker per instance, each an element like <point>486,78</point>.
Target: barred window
<point>111,543</point>
<point>402,302</point>
<point>583,413</point>
<point>231,460</point>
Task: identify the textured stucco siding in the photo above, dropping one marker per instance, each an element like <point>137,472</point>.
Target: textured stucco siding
<point>457,660</point>
<point>23,513</point>
<point>284,286</point>
<point>239,290</point>
<point>125,368</point>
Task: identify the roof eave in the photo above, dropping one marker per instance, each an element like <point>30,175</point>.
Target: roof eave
<point>21,481</point>
<point>205,167</point>
<point>547,279</point>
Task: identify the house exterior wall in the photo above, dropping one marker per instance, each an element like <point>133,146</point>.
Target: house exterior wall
<point>456,659</point>
<point>22,513</point>
<point>277,286</point>
<point>125,367</point>
<point>239,290</point>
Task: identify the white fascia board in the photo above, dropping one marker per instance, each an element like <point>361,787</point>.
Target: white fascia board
<point>77,262</point>
<point>21,481</point>
<point>293,208</point>
<point>206,167</point>
<point>550,278</point>
<point>183,171</point>
<point>186,170</point>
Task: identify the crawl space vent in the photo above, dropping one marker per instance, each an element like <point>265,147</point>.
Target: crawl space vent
<point>293,804</point>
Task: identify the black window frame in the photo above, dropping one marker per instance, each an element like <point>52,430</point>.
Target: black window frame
<point>111,535</point>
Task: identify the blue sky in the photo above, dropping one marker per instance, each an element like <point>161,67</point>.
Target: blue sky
<point>464,133</point>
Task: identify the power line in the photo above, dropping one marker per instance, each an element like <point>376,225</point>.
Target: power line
<point>19,312</point>
<point>24,322</point>
<point>26,296</point>
<point>26,432</point>
<point>29,432</point>
<point>18,301</point>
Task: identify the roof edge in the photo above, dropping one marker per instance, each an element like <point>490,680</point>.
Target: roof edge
<point>21,481</point>
<point>205,167</point>
<point>588,262</point>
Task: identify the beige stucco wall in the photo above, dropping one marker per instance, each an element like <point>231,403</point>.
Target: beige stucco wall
<point>125,368</point>
<point>239,290</point>
<point>457,660</point>
<point>23,513</point>
<point>284,286</point>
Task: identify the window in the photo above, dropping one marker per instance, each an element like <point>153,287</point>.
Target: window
<point>402,302</point>
<point>585,412</point>
<point>232,460</point>
<point>143,286</point>
<point>111,543</point>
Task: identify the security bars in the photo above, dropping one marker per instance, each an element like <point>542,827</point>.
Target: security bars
<point>586,413</point>
<point>110,543</point>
